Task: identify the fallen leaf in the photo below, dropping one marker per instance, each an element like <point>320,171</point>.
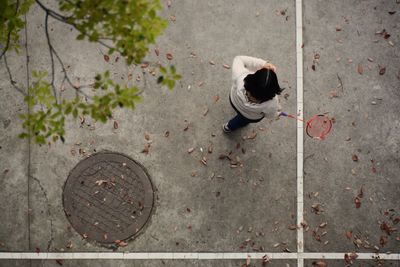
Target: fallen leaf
<point>391,12</point>
<point>157,51</point>
<point>248,260</point>
<point>212,62</point>
<point>210,148</point>
<point>322,225</point>
<point>190,150</point>
<point>357,201</point>
<point>172,18</point>
<point>166,134</point>
<point>188,210</point>
<point>147,136</point>
<point>383,240</point>
<point>146,148</point>
<point>169,3</point>
<point>205,111</point>
<point>101,182</point>
<point>313,67</point>
<point>216,98</point>
<point>226,66</point>
<point>251,135</point>
<point>69,245</point>
<point>338,28</point>
<point>382,70</point>
<point>115,125</point>
<point>106,58</point>
<point>319,264</point>
<point>144,65</point>
<point>116,59</point>
<point>385,227</point>
<point>292,227</point>
<point>361,192</point>
<point>349,234</point>
<point>360,69</point>
<point>349,257</point>
<point>354,157</point>
<point>169,56</point>
<point>60,262</point>
<point>122,244</point>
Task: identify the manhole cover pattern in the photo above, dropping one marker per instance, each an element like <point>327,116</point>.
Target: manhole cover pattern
<point>108,197</point>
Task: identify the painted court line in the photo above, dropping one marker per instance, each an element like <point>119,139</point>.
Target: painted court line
<point>300,156</point>
<point>186,256</point>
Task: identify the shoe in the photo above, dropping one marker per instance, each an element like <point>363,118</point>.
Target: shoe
<point>225,128</point>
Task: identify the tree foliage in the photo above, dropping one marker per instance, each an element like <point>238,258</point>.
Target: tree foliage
<point>127,27</point>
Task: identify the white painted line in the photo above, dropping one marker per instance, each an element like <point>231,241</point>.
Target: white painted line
<point>188,255</point>
<point>300,129</point>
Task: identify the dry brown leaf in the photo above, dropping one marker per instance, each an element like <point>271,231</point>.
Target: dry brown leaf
<point>146,148</point>
<point>212,62</point>
<point>360,69</point>
<point>205,111</point>
<point>210,148</point>
<point>382,70</point>
<point>319,264</point>
<point>116,125</point>
<point>248,260</point>
<point>361,192</point>
<point>349,234</point>
<point>69,245</point>
<point>251,135</point>
<point>338,28</point>
<point>383,240</point>
<point>216,98</point>
<point>354,157</point>
<point>357,201</point>
<point>157,51</point>
<point>190,150</point>
<point>313,67</point>
<point>147,136</point>
<point>106,58</point>
<point>144,65</point>
<point>101,182</point>
<point>169,56</point>
<point>322,225</point>
<point>349,257</point>
<point>166,134</point>
<point>226,66</point>
<point>292,227</point>
<point>172,18</point>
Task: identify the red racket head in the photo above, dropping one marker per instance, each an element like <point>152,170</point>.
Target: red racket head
<point>319,126</point>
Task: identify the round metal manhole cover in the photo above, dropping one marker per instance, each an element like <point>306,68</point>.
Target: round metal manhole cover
<point>108,197</point>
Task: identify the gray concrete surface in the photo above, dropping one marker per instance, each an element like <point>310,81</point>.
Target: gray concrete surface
<point>261,194</point>
<point>362,128</point>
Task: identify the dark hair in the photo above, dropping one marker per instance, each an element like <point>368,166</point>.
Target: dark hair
<point>263,84</point>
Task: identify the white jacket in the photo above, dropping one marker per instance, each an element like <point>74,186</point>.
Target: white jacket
<point>241,67</point>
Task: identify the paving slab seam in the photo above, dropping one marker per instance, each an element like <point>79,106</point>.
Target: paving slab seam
<point>29,139</point>
<point>189,255</point>
<point>300,148</point>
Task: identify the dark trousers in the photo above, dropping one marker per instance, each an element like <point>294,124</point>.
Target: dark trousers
<point>239,120</point>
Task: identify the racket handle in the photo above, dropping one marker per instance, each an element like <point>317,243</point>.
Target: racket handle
<point>283,114</point>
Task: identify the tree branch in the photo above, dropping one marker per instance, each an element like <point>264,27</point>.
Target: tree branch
<point>13,83</point>
<point>46,28</point>
<point>9,34</point>
<point>64,19</point>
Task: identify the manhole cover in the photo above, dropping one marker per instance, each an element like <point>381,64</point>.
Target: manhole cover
<point>108,197</point>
